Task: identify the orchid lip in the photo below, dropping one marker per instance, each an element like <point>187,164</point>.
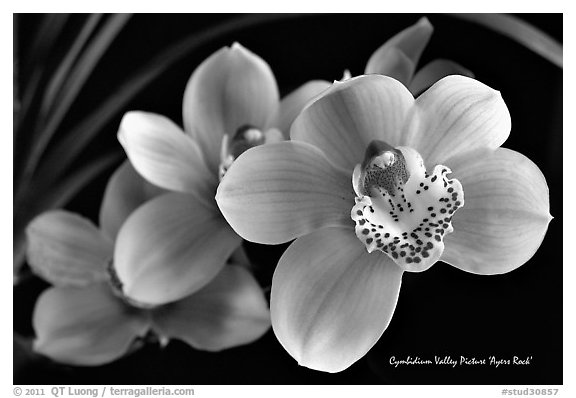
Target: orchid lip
<point>400,209</point>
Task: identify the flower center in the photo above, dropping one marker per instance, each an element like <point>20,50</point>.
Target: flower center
<point>116,286</point>
<point>401,210</point>
<point>246,137</point>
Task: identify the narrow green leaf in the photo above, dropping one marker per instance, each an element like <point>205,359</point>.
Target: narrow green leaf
<point>521,32</point>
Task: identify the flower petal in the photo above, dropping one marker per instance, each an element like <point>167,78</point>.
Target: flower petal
<point>232,88</point>
<point>171,247</point>
<point>228,312</point>
<point>66,249</point>
<point>505,216</point>
<point>434,71</point>
<point>331,300</point>
<point>126,190</point>
<point>276,192</point>
<point>293,103</point>
<point>457,115</point>
<point>399,56</point>
<point>87,326</point>
<point>350,114</point>
<point>161,152</point>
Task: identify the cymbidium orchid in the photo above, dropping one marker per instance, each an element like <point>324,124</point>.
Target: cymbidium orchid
<point>84,319</point>
<point>175,244</point>
<point>372,184</point>
<point>398,57</point>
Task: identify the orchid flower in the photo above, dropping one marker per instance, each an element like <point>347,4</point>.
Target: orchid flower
<point>178,242</point>
<point>372,184</point>
<point>399,56</point>
<point>85,320</point>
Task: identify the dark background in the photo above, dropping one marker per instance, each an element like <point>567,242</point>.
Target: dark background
<point>443,311</point>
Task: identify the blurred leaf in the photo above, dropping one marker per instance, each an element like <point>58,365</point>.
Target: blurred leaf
<point>521,32</point>
<point>72,87</point>
<point>50,28</point>
<point>68,149</point>
<point>58,78</point>
<point>31,72</point>
<point>16,67</point>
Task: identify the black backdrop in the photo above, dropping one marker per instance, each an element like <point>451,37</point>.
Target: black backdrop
<point>443,311</point>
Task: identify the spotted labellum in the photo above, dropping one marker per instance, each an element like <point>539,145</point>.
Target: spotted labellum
<point>402,210</point>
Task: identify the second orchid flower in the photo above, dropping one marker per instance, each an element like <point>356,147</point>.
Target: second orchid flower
<point>179,241</point>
